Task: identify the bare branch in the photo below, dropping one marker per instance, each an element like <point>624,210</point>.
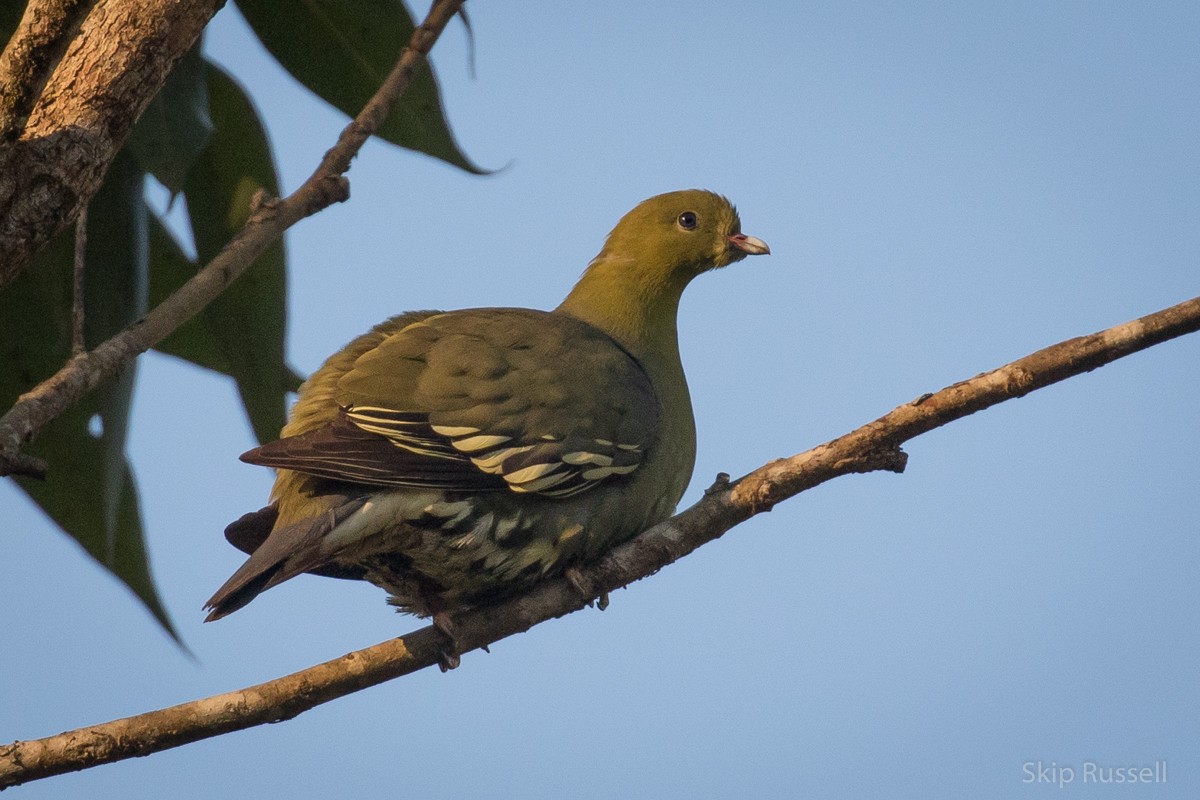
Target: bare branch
<point>874,446</point>
<point>266,224</point>
<point>83,73</point>
<point>78,345</point>
<point>778,481</point>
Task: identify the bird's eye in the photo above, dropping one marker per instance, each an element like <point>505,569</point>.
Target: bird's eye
<point>687,220</point>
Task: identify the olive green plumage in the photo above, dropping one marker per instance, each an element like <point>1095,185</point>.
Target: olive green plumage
<point>452,457</point>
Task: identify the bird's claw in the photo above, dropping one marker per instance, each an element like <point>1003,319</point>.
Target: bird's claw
<point>581,584</point>
<point>450,656</point>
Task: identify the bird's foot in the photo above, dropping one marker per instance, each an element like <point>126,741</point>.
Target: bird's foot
<point>581,584</point>
<point>586,589</point>
<point>450,657</point>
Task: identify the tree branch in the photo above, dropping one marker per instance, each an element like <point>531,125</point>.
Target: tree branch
<point>267,223</point>
<point>33,52</point>
<point>77,75</point>
<point>874,446</point>
<point>78,343</point>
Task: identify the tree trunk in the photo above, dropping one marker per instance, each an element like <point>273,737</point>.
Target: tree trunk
<point>76,77</point>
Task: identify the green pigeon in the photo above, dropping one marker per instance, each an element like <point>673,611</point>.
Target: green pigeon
<point>454,457</point>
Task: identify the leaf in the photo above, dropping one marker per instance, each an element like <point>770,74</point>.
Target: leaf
<point>343,49</point>
<point>247,321</point>
<point>169,269</point>
<point>90,490</point>
<point>175,127</point>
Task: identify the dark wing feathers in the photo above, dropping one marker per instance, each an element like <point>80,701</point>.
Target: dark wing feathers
<point>345,451</point>
<point>487,399</point>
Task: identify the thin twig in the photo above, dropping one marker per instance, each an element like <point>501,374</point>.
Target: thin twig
<point>77,343</point>
<point>874,446</point>
<point>326,186</point>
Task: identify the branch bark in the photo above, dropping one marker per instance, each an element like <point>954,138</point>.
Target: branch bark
<point>41,38</point>
<point>272,217</point>
<point>76,75</point>
<point>874,446</point>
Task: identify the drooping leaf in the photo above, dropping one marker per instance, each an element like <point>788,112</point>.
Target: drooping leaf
<point>343,49</point>
<point>247,321</point>
<point>175,127</point>
<point>89,490</point>
<point>170,267</point>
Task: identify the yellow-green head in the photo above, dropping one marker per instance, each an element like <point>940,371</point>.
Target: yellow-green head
<point>631,289</point>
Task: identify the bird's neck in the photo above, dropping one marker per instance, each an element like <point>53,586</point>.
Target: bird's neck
<point>636,307</point>
<point>639,312</point>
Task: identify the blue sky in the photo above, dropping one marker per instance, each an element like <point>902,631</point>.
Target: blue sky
<point>944,188</point>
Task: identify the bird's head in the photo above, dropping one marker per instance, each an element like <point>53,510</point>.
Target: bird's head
<point>632,288</point>
<point>680,234</point>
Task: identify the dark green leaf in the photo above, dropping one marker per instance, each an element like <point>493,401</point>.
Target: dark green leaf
<point>343,49</point>
<point>89,491</point>
<point>169,268</point>
<point>175,126</point>
<point>247,321</point>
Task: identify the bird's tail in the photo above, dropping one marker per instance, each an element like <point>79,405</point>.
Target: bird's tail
<point>285,553</point>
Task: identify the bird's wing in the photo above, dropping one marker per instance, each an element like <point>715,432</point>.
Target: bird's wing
<point>376,447</point>
<point>486,399</point>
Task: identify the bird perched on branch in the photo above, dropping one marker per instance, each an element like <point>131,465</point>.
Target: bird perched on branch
<point>452,457</point>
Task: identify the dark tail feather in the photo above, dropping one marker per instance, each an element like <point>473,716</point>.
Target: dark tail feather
<point>248,532</point>
<point>285,553</point>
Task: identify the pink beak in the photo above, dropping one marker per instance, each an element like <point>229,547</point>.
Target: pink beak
<point>750,245</point>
